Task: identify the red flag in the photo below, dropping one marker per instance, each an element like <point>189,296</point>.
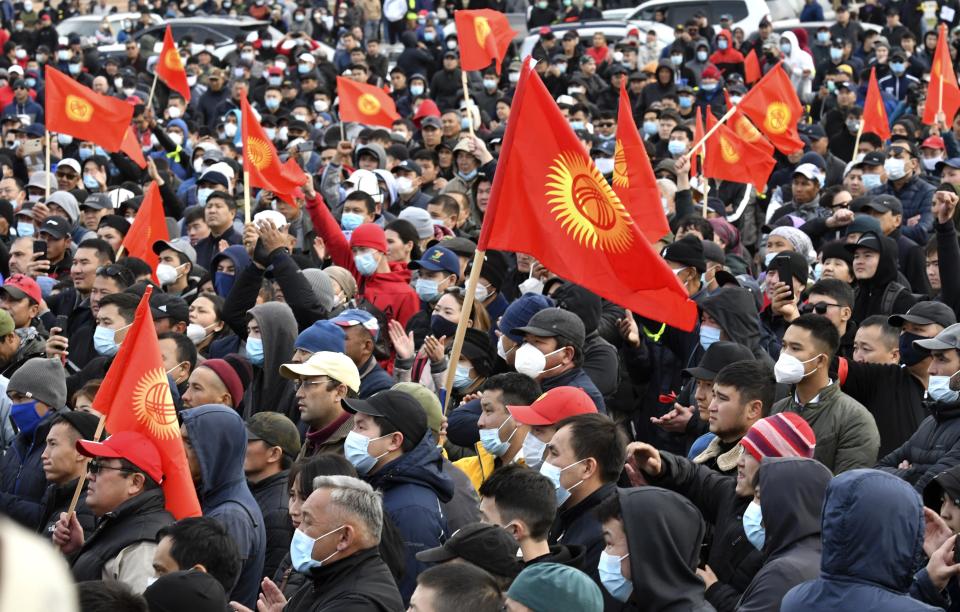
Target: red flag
<point>132,149</point>
<point>260,158</point>
<point>550,201</point>
<point>751,67</point>
<point>79,111</point>
<point>942,67</point>
<point>747,131</point>
<point>633,178</point>
<point>365,103</point>
<point>170,68</point>
<point>731,158</point>
<point>148,226</point>
<point>773,106</point>
<point>697,137</point>
<point>484,36</point>
<point>874,114</point>
<point>135,396</point>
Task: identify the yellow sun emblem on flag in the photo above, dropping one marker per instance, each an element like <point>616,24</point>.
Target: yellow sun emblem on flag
<point>368,104</point>
<point>727,151</point>
<point>258,152</point>
<point>621,177</point>
<point>777,119</point>
<point>153,405</point>
<point>481,28</point>
<point>171,59</point>
<point>745,129</point>
<point>585,205</point>
<point>78,109</point>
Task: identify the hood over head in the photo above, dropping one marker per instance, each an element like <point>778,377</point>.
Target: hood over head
<point>219,439</point>
<point>791,497</point>
<point>278,328</point>
<point>735,309</point>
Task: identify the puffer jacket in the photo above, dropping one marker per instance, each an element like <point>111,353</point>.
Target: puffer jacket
<point>932,449</point>
<point>23,483</point>
<point>872,535</point>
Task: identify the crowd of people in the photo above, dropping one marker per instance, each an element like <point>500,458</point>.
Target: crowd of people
<point>798,449</point>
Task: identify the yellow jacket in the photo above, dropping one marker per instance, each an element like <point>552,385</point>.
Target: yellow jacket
<point>480,467</point>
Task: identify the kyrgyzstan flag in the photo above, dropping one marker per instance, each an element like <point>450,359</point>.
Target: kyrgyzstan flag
<point>365,104</point>
<point>633,179</point>
<point>751,67</point>
<point>79,111</point>
<point>941,71</point>
<point>874,114</point>
<point>731,158</point>
<point>747,131</point>
<point>260,158</point>
<point>149,226</point>
<point>773,106</point>
<point>550,201</point>
<point>132,149</point>
<point>484,36</point>
<point>135,396</point>
<point>170,67</point>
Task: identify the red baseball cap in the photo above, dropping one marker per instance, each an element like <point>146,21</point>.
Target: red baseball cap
<point>130,445</point>
<point>20,286</point>
<point>933,142</point>
<point>554,406</point>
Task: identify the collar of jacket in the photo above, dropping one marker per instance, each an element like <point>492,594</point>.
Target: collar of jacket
<point>827,394</point>
<point>725,461</point>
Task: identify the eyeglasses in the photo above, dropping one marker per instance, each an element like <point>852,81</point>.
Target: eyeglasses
<point>820,308</point>
<point>605,124</point>
<point>839,205</point>
<point>303,383</point>
<point>112,271</point>
<point>95,467</point>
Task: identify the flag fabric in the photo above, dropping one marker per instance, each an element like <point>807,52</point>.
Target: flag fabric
<point>633,178</point>
<point>751,67</point>
<point>484,36</point>
<point>747,131</point>
<point>135,396</point>
<point>942,65</point>
<point>550,201</point>
<point>79,111</point>
<point>874,114</point>
<point>365,104</point>
<point>170,68</point>
<point>773,106</point>
<point>730,157</point>
<point>260,157</point>
<point>132,149</point>
<point>148,226</point>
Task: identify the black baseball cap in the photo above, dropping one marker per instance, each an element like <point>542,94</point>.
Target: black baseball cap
<point>945,482</point>
<point>873,158</point>
<point>165,306</point>
<point>925,313</point>
<point>720,354</point>
<point>880,203</point>
<point>868,240</point>
<point>489,547</point>
<point>401,409</point>
<point>58,227</point>
<point>552,323</point>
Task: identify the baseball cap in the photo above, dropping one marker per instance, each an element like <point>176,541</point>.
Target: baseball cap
<point>808,170</point>
<point>321,336</point>
<point>554,322</point>
<point>720,354</point>
<point>464,247</point>
<point>953,162</point>
<point>337,366</point>
<point>438,259</point>
<point>868,240</point>
<point>97,201</point>
<point>933,142</point>
<point>180,245</point>
<point>489,547</point>
<point>554,406</point>
<point>401,409</point>
<point>130,445</point>
<point>58,227</point>
<point>873,158</point>
<point>945,482</point>
<point>21,286</point>
<point>431,122</point>
<point>166,306</point>
<point>355,316</point>
<point>69,163</point>
<point>880,203</point>
<point>947,339</point>
<point>276,430</point>
<point>925,313</point>
<point>409,165</point>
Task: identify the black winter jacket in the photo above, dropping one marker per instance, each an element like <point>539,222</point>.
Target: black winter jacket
<point>360,583</point>
<point>932,449</point>
<point>272,495</point>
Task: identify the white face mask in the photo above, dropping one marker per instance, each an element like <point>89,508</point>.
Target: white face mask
<point>230,129</point>
<point>895,169</point>
<point>930,163</point>
<point>404,185</point>
<point>173,112</point>
<point>789,370</point>
<point>531,362</point>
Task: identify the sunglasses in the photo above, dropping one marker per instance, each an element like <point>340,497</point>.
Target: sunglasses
<point>819,308</point>
<point>95,467</point>
<point>112,271</point>
<point>67,175</point>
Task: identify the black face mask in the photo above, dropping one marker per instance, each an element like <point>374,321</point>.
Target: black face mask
<point>910,356</point>
<point>440,327</point>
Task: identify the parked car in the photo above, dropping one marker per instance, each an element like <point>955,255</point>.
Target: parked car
<point>614,31</point>
<point>86,26</point>
<point>746,13</point>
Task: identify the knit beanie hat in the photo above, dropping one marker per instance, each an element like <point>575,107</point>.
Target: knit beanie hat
<point>369,235</point>
<point>344,278</point>
<point>41,379</point>
<point>235,372</point>
<point>785,434</point>
<point>322,287</point>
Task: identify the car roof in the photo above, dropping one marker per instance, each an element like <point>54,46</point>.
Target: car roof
<point>110,16</point>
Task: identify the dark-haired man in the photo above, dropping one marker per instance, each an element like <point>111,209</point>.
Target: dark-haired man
<point>64,465</point>
<point>197,543</point>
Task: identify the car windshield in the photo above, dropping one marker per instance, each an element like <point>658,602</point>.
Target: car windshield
<point>81,27</point>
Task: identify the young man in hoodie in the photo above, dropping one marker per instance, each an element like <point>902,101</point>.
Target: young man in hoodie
<point>215,440</point>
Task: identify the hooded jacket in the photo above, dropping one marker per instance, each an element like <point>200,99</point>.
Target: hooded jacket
<point>656,91</point>
<point>870,292</point>
<point>792,491</point>
<point>736,311</point>
<point>872,535</point>
<point>23,483</point>
<point>932,449</point>
<point>268,390</point>
<point>413,488</point>
<point>219,440</point>
<point>664,532</point>
<point>728,60</point>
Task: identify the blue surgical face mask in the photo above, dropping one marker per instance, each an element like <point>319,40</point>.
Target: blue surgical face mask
<point>753,525</point>
<point>676,60</point>
<point>553,473</point>
<point>31,82</point>
<point>708,335</point>
<point>708,86</point>
<point>25,417</point>
<point>576,125</point>
<point>428,290</point>
<point>254,351</point>
<point>202,194</point>
<point>823,37</point>
<point>702,56</point>
<point>272,103</point>
<point>612,578</point>
<point>429,36</point>
<point>461,379</point>
<point>938,388</point>
<point>303,68</point>
<point>490,439</point>
<point>65,139</point>
<point>685,102</point>
<point>274,81</point>
<point>650,128</point>
<point>467,176</point>
<point>223,283</point>
<point>465,123</point>
<point>301,550</point>
<point>836,54</point>
<point>85,153</point>
<point>104,341</point>
<point>532,451</point>
<point>366,263</point>
<point>90,182</point>
<point>351,221</point>
<point>25,229</point>
<point>785,48</point>
<point>356,450</point>
<point>676,147</point>
<point>898,67</point>
<point>490,83</point>
<point>871,181</point>
<point>416,90</point>
<point>722,44</point>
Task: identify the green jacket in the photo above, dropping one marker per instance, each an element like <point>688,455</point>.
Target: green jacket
<point>847,436</point>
